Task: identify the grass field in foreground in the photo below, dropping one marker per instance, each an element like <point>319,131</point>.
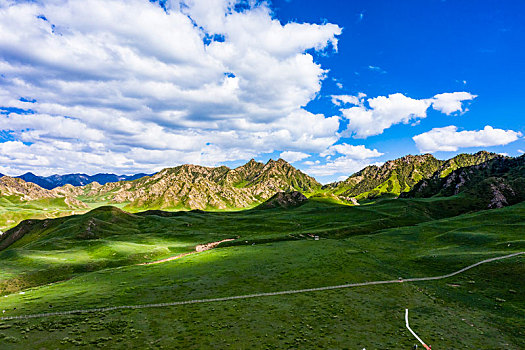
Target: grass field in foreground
<point>482,308</point>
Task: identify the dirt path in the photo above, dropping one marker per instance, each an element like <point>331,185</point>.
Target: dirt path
<point>248,296</point>
<point>198,249</point>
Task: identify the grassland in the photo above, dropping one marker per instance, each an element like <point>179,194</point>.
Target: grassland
<point>274,250</point>
<point>13,210</point>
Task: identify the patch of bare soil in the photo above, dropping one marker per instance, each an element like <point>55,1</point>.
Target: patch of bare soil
<point>199,248</point>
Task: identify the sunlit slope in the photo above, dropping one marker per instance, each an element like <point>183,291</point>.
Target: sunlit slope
<point>55,249</point>
<point>479,309</point>
<point>496,183</point>
<point>184,187</point>
<point>206,188</point>
<point>188,187</point>
<point>21,200</point>
<point>401,175</point>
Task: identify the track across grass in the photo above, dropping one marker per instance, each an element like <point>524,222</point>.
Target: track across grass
<point>257,295</point>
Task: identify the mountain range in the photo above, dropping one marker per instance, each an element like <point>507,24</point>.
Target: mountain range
<point>197,187</point>
<point>490,179</point>
<point>401,175</point>
<point>53,181</point>
<point>496,183</point>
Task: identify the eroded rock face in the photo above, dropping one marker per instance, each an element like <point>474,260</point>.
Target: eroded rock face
<point>285,200</point>
<point>395,176</point>
<point>496,183</point>
<point>400,176</point>
<point>354,201</point>
<point>27,191</point>
<point>197,187</point>
<point>499,200</point>
<point>14,234</point>
<point>75,203</point>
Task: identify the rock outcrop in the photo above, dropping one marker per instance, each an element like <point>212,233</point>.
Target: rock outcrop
<point>401,175</point>
<point>495,183</point>
<point>197,187</point>
<point>27,192</point>
<point>284,200</point>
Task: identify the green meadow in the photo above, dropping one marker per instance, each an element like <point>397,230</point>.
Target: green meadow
<point>90,261</point>
<point>13,210</point>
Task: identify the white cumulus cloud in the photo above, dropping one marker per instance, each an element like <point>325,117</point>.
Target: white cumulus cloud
<point>127,85</point>
<point>383,112</point>
<point>450,139</point>
<point>347,160</point>
<point>351,151</point>
<point>374,115</point>
<point>292,157</point>
<point>343,166</point>
<point>451,102</point>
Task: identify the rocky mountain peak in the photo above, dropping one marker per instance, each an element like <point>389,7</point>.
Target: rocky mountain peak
<point>413,159</point>
<point>10,186</point>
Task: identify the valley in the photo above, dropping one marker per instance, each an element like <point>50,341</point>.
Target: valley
<point>190,187</point>
<point>105,259</point>
<point>262,174</point>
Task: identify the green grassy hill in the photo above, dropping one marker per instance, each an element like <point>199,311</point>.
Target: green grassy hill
<point>109,237</point>
<point>95,255</point>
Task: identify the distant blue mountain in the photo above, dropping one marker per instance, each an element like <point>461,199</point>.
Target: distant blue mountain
<point>50,182</point>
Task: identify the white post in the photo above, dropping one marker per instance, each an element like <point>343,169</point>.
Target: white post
<point>413,333</point>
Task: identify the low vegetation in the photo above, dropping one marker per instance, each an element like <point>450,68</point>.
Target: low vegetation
<point>188,187</point>
<point>96,256</point>
<point>440,223</point>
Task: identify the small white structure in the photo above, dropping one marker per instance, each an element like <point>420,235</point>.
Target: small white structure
<point>316,238</point>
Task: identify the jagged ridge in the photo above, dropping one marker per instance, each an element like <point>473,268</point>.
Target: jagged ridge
<point>221,188</point>
<point>197,187</point>
<point>497,182</point>
<point>54,181</point>
<point>401,175</point>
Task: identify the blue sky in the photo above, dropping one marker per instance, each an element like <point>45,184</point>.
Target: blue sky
<point>331,86</point>
<point>421,48</point>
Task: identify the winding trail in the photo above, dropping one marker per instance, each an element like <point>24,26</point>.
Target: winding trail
<point>258,295</point>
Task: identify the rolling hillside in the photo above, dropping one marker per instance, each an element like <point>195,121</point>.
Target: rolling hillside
<point>93,260</point>
<point>103,258</point>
